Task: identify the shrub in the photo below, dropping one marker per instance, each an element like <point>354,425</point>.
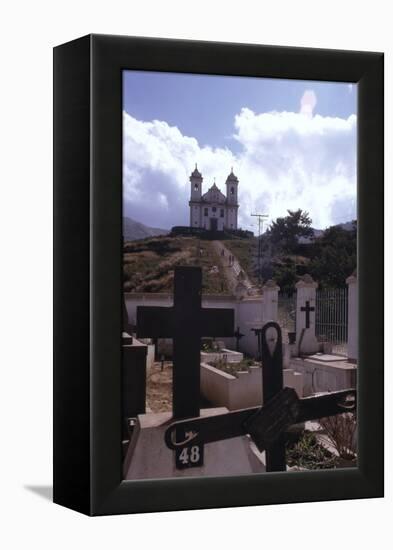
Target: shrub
<point>309,453</point>
<point>341,433</point>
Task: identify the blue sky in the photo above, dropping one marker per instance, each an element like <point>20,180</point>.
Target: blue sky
<point>291,144</point>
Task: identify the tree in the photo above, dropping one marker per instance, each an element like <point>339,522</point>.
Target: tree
<point>284,273</point>
<point>285,232</point>
<point>334,257</point>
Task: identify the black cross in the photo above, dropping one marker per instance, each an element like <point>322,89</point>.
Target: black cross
<point>186,322</point>
<point>238,335</point>
<point>307,309</point>
<point>270,354</point>
<point>266,425</point>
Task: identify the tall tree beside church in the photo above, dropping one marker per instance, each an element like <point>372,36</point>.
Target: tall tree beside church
<point>286,231</point>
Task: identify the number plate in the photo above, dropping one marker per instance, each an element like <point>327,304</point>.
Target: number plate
<point>189,457</point>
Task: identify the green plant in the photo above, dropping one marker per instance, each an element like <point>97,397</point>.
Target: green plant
<point>233,368</point>
<point>285,232</point>
<point>308,453</point>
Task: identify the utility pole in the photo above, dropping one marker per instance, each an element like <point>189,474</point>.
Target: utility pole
<point>261,219</point>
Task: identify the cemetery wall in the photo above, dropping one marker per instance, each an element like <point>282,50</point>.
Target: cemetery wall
<point>249,313</point>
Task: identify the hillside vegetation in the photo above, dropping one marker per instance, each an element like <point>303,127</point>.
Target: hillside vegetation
<point>329,258</point>
<point>148,264</point>
<point>246,251</point>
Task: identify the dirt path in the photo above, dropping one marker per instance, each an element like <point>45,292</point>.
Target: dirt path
<point>231,266</point>
<point>159,387</point>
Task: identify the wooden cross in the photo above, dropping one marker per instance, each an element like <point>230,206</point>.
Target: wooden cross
<point>186,322</point>
<point>307,309</point>
<point>238,335</point>
<point>266,425</point>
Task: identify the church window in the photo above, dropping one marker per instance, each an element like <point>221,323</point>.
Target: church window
<point>232,190</point>
<point>222,212</point>
<point>206,211</point>
<point>196,187</point>
<point>214,209</point>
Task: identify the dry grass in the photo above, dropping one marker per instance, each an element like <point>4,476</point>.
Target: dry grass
<point>340,431</point>
<point>246,252</point>
<point>159,387</point>
<point>149,264</point>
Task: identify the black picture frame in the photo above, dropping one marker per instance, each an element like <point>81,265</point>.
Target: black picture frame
<point>88,273</point>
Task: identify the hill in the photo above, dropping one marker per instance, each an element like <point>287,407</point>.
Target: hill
<point>329,256</point>
<point>148,264</point>
<point>133,230</point>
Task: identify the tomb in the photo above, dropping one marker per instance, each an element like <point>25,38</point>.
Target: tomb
<point>186,323</point>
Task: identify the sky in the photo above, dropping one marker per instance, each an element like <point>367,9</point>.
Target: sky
<point>291,143</point>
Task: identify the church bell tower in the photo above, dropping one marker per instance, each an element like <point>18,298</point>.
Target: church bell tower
<point>232,204</point>
<point>232,184</point>
<point>196,185</point>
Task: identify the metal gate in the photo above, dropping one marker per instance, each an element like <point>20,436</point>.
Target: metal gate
<point>331,318</point>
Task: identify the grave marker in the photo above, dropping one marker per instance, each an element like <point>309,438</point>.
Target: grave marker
<point>307,309</point>
<point>266,425</point>
<point>270,353</point>
<point>305,316</point>
<point>186,322</point>
<point>238,335</point>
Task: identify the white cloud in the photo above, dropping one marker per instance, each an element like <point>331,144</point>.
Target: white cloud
<point>308,102</point>
<point>287,161</point>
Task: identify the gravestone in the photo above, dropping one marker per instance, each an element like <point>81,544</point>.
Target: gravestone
<point>266,425</point>
<point>305,316</point>
<point>238,335</point>
<point>186,322</point>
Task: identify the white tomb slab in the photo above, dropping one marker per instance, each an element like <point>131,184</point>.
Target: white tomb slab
<point>148,457</point>
<point>326,357</point>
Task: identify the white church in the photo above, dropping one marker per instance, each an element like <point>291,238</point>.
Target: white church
<point>213,210</point>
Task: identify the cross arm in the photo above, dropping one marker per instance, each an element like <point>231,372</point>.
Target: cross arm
<point>330,404</point>
<point>154,322</point>
<point>264,424</point>
<point>217,322</point>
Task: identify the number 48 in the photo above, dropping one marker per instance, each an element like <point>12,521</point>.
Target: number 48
<point>193,456</point>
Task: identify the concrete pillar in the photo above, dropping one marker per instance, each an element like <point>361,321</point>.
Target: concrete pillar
<point>306,341</point>
<point>249,316</point>
<point>352,283</point>
<point>270,301</point>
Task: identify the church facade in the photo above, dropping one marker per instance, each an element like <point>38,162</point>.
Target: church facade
<point>213,210</point>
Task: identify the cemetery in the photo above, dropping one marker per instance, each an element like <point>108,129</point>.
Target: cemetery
<point>240,395</point>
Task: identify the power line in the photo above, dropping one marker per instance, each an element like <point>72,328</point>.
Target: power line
<point>261,219</point>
